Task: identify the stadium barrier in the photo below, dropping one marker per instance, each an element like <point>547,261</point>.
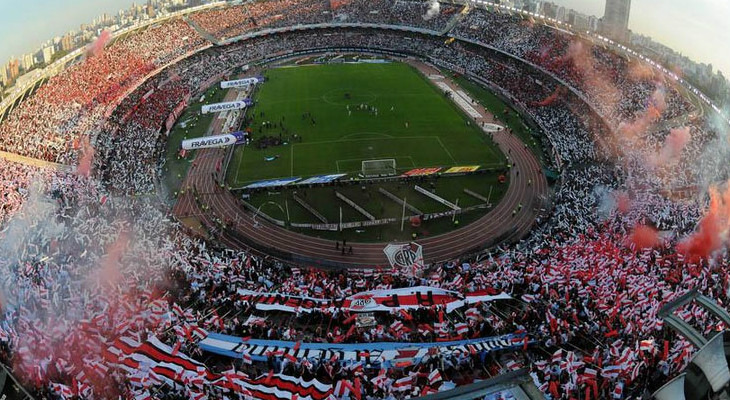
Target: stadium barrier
<point>255,210</point>
<point>516,384</point>
<point>384,221</point>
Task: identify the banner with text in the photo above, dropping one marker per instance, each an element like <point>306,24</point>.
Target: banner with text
<point>321,179</point>
<point>214,141</point>
<point>461,170</point>
<point>273,183</point>
<point>221,107</point>
<point>369,301</point>
<point>241,82</point>
<point>388,354</point>
<point>422,172</point>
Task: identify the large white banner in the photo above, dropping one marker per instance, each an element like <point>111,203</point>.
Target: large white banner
<point>220,107</point>
<point>240,83</point>
<point>386,300</point>
<point>214,141</point>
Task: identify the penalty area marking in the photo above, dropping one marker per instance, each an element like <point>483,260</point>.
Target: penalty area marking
<point>446,150</point>
<point>375,135</point>
<point>369,97</point>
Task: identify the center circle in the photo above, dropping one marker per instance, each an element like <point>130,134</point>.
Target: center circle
<point>345,96</point>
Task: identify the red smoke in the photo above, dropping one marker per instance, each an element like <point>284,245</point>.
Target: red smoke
<point>550,99</point>
<point>97,47</point>
<point>640,71</point>
<point>712,233</point>
<point>673,146</point>
<point>654,111</point>
<point>108,273</point>
<point>623,202</point>
<point>87,157</point>
<point>644,237</point>
<point>592,77</point>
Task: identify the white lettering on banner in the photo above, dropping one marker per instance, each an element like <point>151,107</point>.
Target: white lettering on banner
<point>220,107</point>
<point>210,142</point>
<point>239,83</point>
<point>363,304</point>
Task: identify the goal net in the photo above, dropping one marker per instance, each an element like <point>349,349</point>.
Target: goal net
<point>373,168</point>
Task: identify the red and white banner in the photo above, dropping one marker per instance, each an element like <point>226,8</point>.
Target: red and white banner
<point>374,300</point>
<point>154,363</point>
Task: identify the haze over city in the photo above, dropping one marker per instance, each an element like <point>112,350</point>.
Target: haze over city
<point>697,30</point>
<point>24,26</point>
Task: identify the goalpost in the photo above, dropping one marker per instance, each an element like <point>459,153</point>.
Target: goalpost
<point>375,168</point>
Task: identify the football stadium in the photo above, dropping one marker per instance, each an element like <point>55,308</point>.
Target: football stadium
<point>363,199</point>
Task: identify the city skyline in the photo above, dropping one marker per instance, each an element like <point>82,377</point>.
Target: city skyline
<point>699,32</point>
<point>25,26</point>
<point>700,35</point>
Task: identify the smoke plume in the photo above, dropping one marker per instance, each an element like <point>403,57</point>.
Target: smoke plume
<point>97,46</point>
<point>434,8</point>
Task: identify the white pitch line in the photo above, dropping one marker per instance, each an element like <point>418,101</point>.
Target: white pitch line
<point>446,150</point>
<point>364,139</point>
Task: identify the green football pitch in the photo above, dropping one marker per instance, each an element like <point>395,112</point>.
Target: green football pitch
<point>307,108</point>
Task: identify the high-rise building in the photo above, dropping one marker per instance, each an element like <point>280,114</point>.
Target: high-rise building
<point>4,75</point>
<point>27,62</point>
<point>580,22</point>
<point>615,22</point>
<point>67,43</point>
<point>46,54</point>
<point>592,23</point>
<point>13,69</point>
<point>150,9</point>
<point>549,10</point>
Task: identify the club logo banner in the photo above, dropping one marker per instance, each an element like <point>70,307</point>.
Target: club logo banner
<point>405,255</point>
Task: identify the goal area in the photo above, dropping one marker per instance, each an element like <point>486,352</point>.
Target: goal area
<point>375,168</point>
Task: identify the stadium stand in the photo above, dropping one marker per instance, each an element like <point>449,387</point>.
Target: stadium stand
<point>104,295</point>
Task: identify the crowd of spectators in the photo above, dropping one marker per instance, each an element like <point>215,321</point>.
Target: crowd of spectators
<point>229,22</point>
<point>48,124</point>
<point>618,88</point>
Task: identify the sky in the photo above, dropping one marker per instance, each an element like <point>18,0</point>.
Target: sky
<point>697,28</point>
